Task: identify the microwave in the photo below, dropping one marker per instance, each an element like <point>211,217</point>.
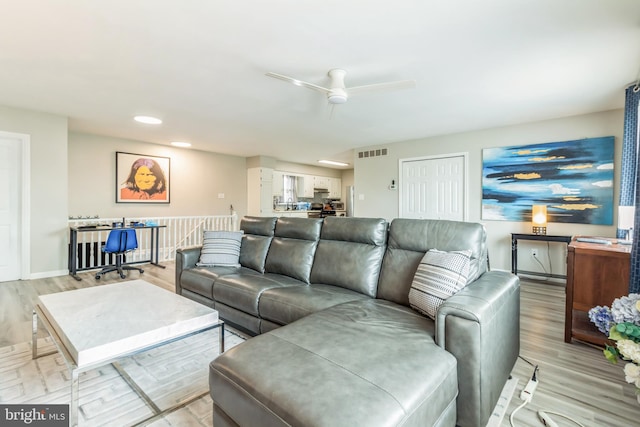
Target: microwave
<point>339,206</point>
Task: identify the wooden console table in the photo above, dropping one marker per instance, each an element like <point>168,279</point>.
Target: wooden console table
<point>596,275</point>
<point>540,237</point>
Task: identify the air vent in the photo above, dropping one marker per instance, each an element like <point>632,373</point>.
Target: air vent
<point>372,153</point>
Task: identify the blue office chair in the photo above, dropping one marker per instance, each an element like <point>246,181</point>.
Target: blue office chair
<point>118,243</point>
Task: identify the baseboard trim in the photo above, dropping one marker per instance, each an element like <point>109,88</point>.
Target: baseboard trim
<point>46,274</point>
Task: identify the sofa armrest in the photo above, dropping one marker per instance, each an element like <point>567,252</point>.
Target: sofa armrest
<point>480,326</point>
<point>185,258</point>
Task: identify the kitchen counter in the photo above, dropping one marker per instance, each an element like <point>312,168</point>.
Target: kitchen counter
<point>294,213</point>
<point>304,213</point>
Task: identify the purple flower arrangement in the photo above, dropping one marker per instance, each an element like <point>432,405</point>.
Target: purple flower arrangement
<point>621,323</point>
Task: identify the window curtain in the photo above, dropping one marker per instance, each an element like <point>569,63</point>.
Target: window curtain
<point>630,179</point>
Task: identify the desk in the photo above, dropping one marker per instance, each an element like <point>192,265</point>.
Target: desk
<point>73,246</point>
<point>540,237</point>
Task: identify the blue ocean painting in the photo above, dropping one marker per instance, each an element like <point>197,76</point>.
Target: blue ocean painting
<point>573,178</point>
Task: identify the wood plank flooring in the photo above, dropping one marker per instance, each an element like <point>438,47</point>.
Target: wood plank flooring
<point>575,379</point>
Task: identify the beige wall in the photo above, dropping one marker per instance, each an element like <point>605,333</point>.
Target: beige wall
<point>373,175</point>
<point>75,175</point>
<point>48,201</point>
<point>197,178</point>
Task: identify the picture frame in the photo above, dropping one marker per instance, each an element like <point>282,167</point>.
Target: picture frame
<point>574,179</point>
<point>142,178</point>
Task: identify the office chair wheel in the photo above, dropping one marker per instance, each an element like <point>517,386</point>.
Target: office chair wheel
<point>141,271</point>
<point>97,277</point>
<point>122,276</point>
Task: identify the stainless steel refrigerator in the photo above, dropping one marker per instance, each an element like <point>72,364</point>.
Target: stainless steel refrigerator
<point>348,200</point>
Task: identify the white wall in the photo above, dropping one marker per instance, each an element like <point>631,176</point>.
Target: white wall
<point>197,178</point>
<point>48,175</point>
<point>373,175</point>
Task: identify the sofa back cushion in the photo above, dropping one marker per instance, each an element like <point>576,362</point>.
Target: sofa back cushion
<point>293,247</point>
<point>350,253</point>
<point>410,239</point>
<point>258,232</point>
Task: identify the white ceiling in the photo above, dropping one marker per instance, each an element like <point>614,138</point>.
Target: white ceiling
<point>200,66</point>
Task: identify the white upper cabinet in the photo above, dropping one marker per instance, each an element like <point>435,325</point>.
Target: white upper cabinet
<point>322,182</point>
<point>278,183</point>
<point>305,186</point>
<point>335,188</point>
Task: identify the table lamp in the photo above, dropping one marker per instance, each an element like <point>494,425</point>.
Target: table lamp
<point>626,218</point>
<point>539,219</point>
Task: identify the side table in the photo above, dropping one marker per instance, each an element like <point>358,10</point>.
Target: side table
<point>540,237</point>
<point>597,274</point>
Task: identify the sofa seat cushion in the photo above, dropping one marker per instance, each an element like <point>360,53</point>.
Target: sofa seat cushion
<point>311,372</point>
<point>286,305</point>
<point>200,279</point>
<point>242,291</point>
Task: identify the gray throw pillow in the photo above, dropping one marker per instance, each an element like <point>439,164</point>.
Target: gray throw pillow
<point>439,276</point>
<point>220,248</point>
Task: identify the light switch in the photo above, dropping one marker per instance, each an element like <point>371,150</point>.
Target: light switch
<point>360,196</point>
<point>220,195</point>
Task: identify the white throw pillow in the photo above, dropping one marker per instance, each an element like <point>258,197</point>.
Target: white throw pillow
<point>439,276</point>
<point>220,248</point>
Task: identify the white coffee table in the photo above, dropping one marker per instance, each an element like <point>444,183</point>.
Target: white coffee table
<point>96,326</point>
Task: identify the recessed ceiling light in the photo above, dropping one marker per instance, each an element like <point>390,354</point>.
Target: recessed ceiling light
<point>334,163</point>
<point>147,120</point>
<point>181,144</point>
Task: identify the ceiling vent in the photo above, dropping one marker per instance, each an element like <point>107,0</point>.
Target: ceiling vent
<point>372,153</point>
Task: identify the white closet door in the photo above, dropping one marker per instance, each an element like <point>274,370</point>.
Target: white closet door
<point>433,188</point>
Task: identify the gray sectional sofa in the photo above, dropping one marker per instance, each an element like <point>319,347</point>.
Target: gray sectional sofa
<point>337,343</point>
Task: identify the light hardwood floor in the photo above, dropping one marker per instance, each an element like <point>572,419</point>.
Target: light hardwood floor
<point>575,379</point>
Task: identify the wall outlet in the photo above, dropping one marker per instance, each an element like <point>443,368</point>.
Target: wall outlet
<point>534,253</point>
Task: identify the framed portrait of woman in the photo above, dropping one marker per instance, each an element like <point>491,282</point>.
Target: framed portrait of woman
<point>141,178</point>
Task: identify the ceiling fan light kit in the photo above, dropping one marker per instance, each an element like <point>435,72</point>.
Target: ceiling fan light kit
<point>337,93</point>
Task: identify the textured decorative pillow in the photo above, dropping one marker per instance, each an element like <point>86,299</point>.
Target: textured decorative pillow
<point>220,248</point>
<point>439,276</point>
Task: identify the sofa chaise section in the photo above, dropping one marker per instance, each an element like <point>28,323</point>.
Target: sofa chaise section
<point>361,363</point>
<point>480,325</point>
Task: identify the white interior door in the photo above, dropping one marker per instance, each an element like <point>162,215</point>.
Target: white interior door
<point>433,188</point>
<point>10,197</point>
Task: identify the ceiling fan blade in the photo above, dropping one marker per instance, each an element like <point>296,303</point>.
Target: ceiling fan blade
<point>400,84</point>
<point>298,82</point>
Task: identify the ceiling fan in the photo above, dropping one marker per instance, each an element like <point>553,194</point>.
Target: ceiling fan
<point>337,93</point>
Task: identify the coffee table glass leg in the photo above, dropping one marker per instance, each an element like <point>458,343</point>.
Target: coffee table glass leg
<point>73,410</point>
<point>34,336</point>
<point>222,338</point>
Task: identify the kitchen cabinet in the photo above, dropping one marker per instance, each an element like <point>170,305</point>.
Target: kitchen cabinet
<point>278,184</point>
<point>596,275</point>
<point>305,186</point>
<point>335,188</point>
<point>259,191</point>
<point>321,182</point>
